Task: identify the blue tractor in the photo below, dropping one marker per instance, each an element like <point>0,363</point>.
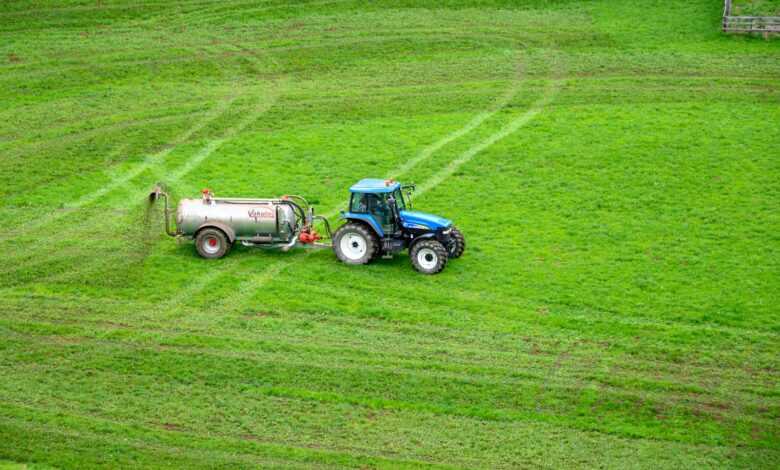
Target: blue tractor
<point>380,222</point>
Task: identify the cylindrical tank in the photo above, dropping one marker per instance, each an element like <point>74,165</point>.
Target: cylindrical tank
<point>255,220</point>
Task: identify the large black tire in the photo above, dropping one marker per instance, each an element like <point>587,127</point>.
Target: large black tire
<point>428,256</point>
<point>355,243</point>
<point>212,243</point>
<point>456,249</point>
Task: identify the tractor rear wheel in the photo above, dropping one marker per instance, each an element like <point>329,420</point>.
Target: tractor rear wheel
<point>456,249</point>
<point>212,243</point>
<point>428,256</point>
<point>355,243</point>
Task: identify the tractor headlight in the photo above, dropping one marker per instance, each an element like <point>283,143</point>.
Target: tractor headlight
<point>447,231</point>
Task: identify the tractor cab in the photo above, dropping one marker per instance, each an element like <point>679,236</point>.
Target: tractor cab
<point>380,221</point>
<point>372,201</point>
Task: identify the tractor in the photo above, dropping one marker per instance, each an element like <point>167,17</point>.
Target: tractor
<point>380,222</point>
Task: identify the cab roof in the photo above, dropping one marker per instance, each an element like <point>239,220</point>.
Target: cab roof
<point>374,185</point>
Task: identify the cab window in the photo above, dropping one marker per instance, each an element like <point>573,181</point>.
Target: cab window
<point>358,203</point>
<point>369,203</point>
<point>374,204</point>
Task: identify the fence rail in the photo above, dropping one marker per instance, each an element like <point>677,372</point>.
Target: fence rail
<point>749,24</point>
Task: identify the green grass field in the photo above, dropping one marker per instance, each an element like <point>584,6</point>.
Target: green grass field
<point>614,166</point>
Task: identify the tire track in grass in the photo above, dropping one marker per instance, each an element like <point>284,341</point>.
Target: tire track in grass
<point>152,161</point>
<point>118,182</point>
<point>235,302</point>
<point>124,177</point>
<point>467,354</point>
<point>169,445</point>
<point>260,107</point>
<point>43,418</point>
<point>184,169</point>
<point>64,137</point>
<point>495,355</point>
<point>198,158</point>
<point>98,7</point>
<point>245,289</point>
<point>505,131</point>
<point>413,363</point>
<point>201,19</point>
<point>428,151</point>
<point>381,35</point>
<point>359,362</point>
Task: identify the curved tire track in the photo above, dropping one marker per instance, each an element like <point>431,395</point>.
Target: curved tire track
<point>245,288</point>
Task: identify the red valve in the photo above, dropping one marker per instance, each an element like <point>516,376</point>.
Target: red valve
<point>308,236</point>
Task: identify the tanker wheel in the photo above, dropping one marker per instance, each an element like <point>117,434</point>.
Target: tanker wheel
<point>455,250</point>
<point>355,243</point>
<point>212,243</point>
<point>428,256</point>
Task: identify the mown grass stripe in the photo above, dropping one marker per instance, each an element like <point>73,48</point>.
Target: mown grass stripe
<point>760,409</point>
<point>175,445</point>
<point>452,396</point>
<point>437,358</point>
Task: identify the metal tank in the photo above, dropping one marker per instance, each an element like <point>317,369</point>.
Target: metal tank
<point>217,223</point>
<point>252,220</point>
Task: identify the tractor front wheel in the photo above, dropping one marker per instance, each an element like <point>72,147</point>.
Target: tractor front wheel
<point>355,243</point>
<point>428,256</point>
<point>458,244</point>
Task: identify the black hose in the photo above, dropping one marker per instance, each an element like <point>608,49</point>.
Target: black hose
<point>296,207</point>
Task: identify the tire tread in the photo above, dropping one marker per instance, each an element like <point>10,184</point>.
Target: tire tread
<point>434,245</point>
<point>223,240</point>
<point>372,242</point>
<point>460,243</point>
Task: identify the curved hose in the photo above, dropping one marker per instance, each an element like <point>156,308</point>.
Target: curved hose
<point>327,225</point>
<point>305,203</point>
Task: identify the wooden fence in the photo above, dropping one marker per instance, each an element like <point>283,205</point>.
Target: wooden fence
<point>749,24</point>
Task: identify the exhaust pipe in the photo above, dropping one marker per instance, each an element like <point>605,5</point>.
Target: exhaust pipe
<point>288,246</point>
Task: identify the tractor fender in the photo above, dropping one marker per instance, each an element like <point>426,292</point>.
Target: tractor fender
<point>366,219</point>
<point>229,232</point>
<point>424,236</point>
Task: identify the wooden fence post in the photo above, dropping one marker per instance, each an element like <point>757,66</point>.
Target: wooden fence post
<point>726,14</point>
